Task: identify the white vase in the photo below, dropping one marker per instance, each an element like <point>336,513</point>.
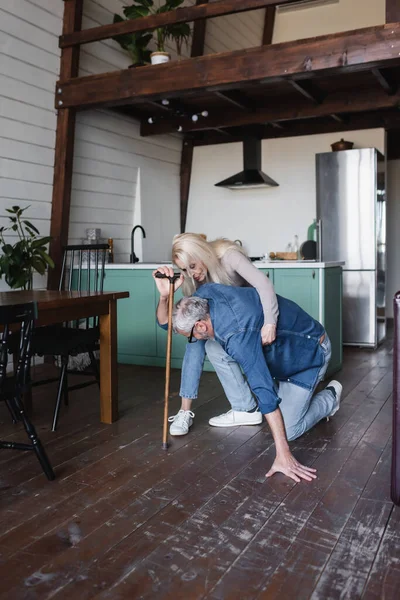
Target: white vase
<point>157,58</point>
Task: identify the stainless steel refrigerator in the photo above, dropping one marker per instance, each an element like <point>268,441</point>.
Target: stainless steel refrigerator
<point>351,220</point>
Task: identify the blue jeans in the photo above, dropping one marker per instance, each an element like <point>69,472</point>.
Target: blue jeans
<point>300,409</point>
<point>229,373</point>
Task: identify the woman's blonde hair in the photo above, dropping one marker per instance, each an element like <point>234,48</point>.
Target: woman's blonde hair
<point>189,247</point>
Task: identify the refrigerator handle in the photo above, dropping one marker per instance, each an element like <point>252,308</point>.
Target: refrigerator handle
<point>319,238</point>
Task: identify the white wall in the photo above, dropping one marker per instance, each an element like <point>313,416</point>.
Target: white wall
<point>267,219</point>
<point>393,238</point>
<point>332,18</point>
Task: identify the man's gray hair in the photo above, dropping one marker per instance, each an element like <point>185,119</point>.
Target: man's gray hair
<point>187,312</point>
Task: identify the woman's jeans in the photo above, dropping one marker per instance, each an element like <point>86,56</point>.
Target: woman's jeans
<point>229,373</point>
<point>300,410</point>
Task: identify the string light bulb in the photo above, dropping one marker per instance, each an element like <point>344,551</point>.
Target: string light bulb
<point>150,120</point>
<point>165,102</point>
<point>204,113</point>
<point>195,118</point>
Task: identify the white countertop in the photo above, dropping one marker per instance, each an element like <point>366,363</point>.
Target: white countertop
<point>271,264</point>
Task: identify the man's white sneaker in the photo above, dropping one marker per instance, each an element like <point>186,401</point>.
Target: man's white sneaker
<point>181,422</point>
<point>233,418</point>
<point>338,392</point>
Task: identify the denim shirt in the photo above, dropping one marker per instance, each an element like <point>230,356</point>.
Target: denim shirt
<point>295,355</point>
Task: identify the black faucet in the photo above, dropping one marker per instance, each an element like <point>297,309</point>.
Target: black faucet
<point>133,258</point>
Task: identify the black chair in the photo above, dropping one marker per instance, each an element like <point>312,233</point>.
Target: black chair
<point>13,386</point>
<point>82,270</point>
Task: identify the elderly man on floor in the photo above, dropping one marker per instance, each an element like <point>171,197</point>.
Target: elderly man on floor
<point>283,375</point>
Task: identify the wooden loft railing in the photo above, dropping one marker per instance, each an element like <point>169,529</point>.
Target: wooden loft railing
<point>180,15</point>
<point>363,49</point>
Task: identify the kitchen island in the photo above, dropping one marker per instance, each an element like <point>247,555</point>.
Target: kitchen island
<point>315,286</point>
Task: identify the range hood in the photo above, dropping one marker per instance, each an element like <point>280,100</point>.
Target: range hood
<point>252,175</point>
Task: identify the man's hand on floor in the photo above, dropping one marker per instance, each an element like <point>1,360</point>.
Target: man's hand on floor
<point>289,466</point>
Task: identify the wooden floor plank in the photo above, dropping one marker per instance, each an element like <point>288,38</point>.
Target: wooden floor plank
<point>384,578</point>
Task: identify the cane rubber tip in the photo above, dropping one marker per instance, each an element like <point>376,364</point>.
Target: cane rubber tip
<point>164,446</point>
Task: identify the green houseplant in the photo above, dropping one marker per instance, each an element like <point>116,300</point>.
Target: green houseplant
<point>142,8</point>
<point>18,261</point>
<point>135,44</point>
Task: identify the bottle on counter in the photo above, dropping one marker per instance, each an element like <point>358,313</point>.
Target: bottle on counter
<point>296,247</point>
<point>110,258</point>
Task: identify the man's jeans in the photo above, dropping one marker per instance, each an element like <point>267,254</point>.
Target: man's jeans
<point>300,410</point>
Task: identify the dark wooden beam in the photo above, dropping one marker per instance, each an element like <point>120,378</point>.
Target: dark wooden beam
<point>185,174</point>
<point>363,49</point>
<point>393,144</point>
<point>337,118</point>
<point>64,147</point>
<point>180,15</point>
<point>269,24</point>
<point>237,99</point>
<point>308,90</point>
<point>389,87</point>
<point>392,11</point>
<point>340,102</point>
<point>199,34</point>
<point>387,120</point>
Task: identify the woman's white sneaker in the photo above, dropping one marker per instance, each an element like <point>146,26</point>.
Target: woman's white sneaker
<point>181,422</point>
<point>233,418</point>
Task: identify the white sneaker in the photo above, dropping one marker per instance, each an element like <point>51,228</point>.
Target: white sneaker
<point>338,390</point>
<point>233,418</point>
<point>181,422</point>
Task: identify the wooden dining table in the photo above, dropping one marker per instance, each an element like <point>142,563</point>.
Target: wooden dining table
<point>59,306</point>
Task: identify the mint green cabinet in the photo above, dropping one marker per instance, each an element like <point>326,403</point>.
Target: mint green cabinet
<point>301,286</point>
<point>136,314</point>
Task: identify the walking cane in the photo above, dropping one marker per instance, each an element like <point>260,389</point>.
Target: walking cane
<point>169,345</point>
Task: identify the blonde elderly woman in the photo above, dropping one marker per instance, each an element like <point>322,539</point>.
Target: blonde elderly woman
<point>219,261</point>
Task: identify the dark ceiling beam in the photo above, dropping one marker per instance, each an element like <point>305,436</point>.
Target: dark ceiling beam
<point>340,102</point>
<point>180,15</point>
<point>308,90</point>
<point>363,49</point>
<point>198,34</point>
<point>388,120</point>
<point>269,24</point>
<point>185,176</point>
<point>389,87</point>
<point>237,99</point>
<point>392,11</point>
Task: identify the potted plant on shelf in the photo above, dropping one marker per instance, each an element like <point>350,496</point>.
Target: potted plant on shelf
<point>135,44</point>
<point>143,8</point>
<point>181,34</point>
<point>18,261</point>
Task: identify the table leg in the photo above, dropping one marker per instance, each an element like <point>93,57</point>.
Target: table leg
<point>108,365</point>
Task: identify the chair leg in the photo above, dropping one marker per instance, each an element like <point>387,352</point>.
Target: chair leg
<point>66,399</point>
<point>35,441</point>
<point>64,363</point>
<point>12,411</point>
<point>94,366</point>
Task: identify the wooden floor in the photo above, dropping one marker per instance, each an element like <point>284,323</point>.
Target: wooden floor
<point>126,520</point>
